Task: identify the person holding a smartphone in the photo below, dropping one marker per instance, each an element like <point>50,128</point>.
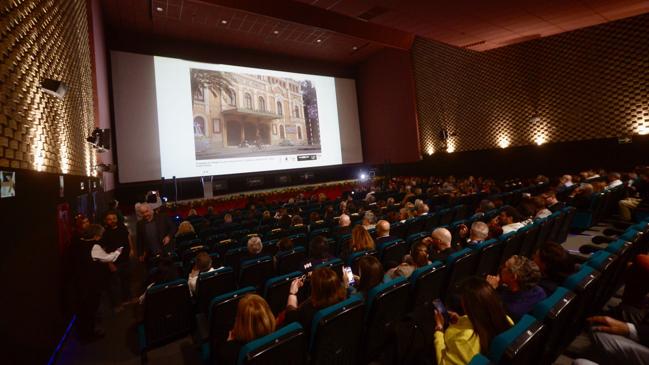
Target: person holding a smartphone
<point>459,338</point>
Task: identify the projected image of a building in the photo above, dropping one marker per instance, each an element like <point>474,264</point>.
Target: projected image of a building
<point>243,115</point>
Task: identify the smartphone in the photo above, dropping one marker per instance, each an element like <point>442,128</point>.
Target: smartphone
<point>439,306</point>
<point>350,275</point>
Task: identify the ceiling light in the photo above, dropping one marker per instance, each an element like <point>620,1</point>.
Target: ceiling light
<point>276,32</point>
<point>354,48</point>
<point>318,40</point>
<point>159,9</point>
<point>224,21</point>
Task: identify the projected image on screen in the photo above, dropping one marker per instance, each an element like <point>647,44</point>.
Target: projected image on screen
<point>245,115</point>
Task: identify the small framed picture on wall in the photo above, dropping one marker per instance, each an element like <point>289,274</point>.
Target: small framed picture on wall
<point>7,184</point>
<point>216,122</point>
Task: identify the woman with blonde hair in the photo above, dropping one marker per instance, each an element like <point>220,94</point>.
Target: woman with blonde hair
<point>185,229</point>
<point>361,241</point>
<point>254,320</point>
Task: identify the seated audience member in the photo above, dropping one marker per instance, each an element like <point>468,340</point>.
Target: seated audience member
<point>327,289</point>
<point>254,246</point>
<point>383,232</point>
<point>296,221</point>
<point>581,197</point>
<point>284,221</point>
<point>439,244</point>
<point>417,258</point>
<point>565,182</point>
<point>318,253</point>
<point>361,241</point>
<point>164,272</point>
<point>369,220</point>
<point>267,219</point>
<point>485,206</point>
<point>471,334</point>
<point>636,287</point>
<point>510,220</point>
<point>614,181</point>
<point>91,274</point>
<point>552,203</point>
<point>203,263</point>
<point>254,319</point>
<point>185,231</point>
<point>370,274</point>
<point>541,210</point>
<point>640,194</point>
<point>518,286</point>
<point>116,235</point>
<point>555,264</point>
<point>227,221</point>
<point>284,244</point>
<point>618,342</point>
<point>479,233</point>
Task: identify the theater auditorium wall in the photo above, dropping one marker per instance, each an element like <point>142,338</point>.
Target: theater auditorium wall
<point>46,39</point>
<point>587,84</point>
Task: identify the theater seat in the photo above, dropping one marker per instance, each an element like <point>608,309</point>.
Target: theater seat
<point>427,283</point>
<point>520,345</point>
<point>223,310</point>
<point>167,315</point>
<point>490,252</point>
<point>555,311</point>
<point>336,333</point>
<point>566,224</point>
<point>212,284</point>
<point>385,304</point>
<point>531,236</point>
<point>461,264</point>
<point>353,259</point>
<point>480,359</point>
<point>391,253</point>
<point>334,264</point>
<point>513,243</point>
<point>289,261</point>
<point>276,290</point>
<point>284,346</point>
<point>255,272</point>
<point>584,283</point>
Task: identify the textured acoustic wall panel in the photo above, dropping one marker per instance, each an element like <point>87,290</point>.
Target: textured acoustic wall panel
<point>45,39</point>
<point>585,84</point>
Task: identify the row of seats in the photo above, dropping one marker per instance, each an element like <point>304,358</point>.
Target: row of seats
<point>602,204</point>
<point>216,297</point>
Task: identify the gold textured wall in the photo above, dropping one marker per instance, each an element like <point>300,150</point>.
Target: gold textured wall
<point>585,84</point>
<point>45,39</point>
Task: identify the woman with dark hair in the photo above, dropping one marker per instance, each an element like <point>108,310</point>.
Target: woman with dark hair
<point>555,264</point>
<point>254,320</point>
<point>370,272</point>
<point>472,333</point>
<point>318,252</point>
<point>418,257</point>
<point>326,289</point>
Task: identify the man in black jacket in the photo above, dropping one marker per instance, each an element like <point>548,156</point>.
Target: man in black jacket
<point>621,342</point>
<point>154,233</point>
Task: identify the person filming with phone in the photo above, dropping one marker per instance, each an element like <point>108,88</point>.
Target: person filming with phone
<point>459,338</point>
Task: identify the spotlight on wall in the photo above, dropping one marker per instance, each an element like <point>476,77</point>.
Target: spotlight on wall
<point>54,87</point>
<point>503,142</point>
<point>362,176</point>
<point>539,140</point>
<point>99,139</point>
<point>102,167</point>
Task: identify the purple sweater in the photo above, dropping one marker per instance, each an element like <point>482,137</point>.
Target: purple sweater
<point>519,303</point>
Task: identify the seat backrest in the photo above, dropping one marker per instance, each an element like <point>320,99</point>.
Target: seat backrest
<point>212,284</point>
<point>427,283</point>
<point>353,259</point>
<point>513,242</point>
<point>398,229</point>
<point>462,264</point>
<point>521,344</point>
<point>480,359</point>
<point>284,346</point>
<point>415,237</point>
<point>223,310</point>
<point>255,272</point>
<point>490,252</point>
<point>167,312</point>
<point>334,264</point>
<point>386,303</point>
<point>289,261</point>
<point>391,253</point>
<point>583,283</point>
<point>233,257</point>
<point>565,225</point>
<point>555,311</point>
<point>276,290</point>
<point>560,217</point>
<point>445,216</point>
<point>531,234</point>
<point>336,333</point>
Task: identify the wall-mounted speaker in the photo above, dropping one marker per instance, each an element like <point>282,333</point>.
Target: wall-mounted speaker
<point>54,87</point>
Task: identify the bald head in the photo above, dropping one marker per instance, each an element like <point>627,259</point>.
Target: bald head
<point>344,220</point>
<point>441,238</point>
<point>382,228</point>
<point>479,231</point>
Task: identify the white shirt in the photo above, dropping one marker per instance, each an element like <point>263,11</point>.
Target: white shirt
<point>193,278</point>
<point>614,183</point>
<point>545,212</point>
<point>515,226</point>
<point>98,254</point>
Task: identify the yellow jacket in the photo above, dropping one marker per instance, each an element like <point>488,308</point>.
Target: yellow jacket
<point>458,344</point>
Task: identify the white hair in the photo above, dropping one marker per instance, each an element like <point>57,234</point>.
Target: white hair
<point>254,245</point>
<point>479,230</point>
<point>442,234</point>
<point>344,220</point>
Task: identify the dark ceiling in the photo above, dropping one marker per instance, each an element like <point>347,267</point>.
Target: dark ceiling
<point>348,31</point>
